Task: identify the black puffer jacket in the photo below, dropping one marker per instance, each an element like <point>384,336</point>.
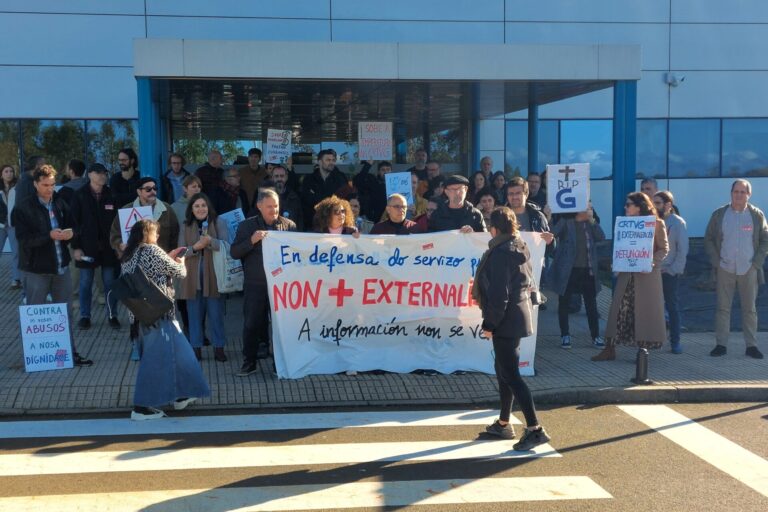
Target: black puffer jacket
<point>505,290</point>
<point>37,250</point>
<point>251,255</point>
<point>93,222</point>
<point>446,218</point>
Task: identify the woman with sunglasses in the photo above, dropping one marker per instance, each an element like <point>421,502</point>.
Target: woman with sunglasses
<point>636,317</point>
<point>334,215</point>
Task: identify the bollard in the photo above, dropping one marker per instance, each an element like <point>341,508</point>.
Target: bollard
<point>641,368</point>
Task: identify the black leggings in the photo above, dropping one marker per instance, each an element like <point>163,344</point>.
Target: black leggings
<point>511,384</point>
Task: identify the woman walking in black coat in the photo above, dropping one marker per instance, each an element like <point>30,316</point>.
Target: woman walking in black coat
<point>502,289</point>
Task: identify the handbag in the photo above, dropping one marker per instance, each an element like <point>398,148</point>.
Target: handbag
<point>228,270</point>
<point>143,298</point>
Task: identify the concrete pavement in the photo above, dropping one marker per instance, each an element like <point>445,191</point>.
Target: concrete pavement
<point>563,376</point>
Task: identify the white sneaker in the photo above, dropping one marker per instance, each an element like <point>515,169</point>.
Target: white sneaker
<point>565,342</point>
<point>178,405</point>
<point>154,415</point>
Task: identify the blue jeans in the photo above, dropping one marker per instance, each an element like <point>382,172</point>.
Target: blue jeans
<point>669,285</point>
<point>108,275</point>
<point>196,310</point>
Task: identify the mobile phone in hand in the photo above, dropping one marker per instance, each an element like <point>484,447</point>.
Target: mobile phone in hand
<point>182,252</point>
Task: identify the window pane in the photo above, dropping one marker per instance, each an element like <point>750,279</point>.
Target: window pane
<point>694,148</point>
<point>195,151</point>
<point>651,158</point>
<point>9,144</point>
<point>107,138</point>
<point>590,142</point>
<point>445,146</point>
<point>516,146</point>
<point>745,147</point>
<point>346,152</point>
<point>57,141</point>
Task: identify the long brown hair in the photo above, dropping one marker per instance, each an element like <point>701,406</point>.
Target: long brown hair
<point>15,176</point>
<point>139,232</point>
<point>189,217</point>
<point>643,202</point>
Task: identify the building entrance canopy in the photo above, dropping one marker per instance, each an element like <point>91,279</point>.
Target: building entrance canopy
<point>321,90</point>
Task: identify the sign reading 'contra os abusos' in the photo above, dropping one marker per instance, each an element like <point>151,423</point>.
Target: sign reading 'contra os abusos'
<point>45,337</point>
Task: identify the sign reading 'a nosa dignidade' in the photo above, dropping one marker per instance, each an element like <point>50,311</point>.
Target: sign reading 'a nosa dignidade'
<point>395,303</point>
<point>45,337</point>
<point>633,244</point>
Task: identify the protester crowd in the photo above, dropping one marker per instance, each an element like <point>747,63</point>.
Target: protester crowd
<point>60,239</point>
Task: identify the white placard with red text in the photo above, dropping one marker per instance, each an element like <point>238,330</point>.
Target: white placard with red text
<point>633,244</point>
<point>395,303</point>
<point>374,140</point>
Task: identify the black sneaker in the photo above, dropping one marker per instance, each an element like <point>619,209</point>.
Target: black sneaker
<point>15,284</point>
<point>114,322</point>
<point>754,352</point>
<point>531,439</point>
<point>248,368</point>
<point>499,430</point>
<point>84,323</point>
<point>719,350</point>
<point>81,361</point>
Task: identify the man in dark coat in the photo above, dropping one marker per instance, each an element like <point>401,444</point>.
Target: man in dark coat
<point>290,202</point>
<point>173,180</point>
<point>93,211</point>
<point>247,247</point>
<point>373,188</point>
<point>457,213</point>
<point>123,184</point>
<point>44,228</point>
<point>396,224</point>
<point>211,174</point>
<point>230,195</point>
<point>324,181</point>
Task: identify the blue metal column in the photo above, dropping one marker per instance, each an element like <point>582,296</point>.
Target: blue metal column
<point>150,135</point>
<point>533,131</point>
<point>475,123</point>
<point>624,135</point>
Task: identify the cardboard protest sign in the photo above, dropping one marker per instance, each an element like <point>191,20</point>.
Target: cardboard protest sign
<point>130,216</point>
<point>45,337</point>
<point>399,183</point>
<point>395,303</point>
<point>633,244</point>
<point>233,219</point>
<point>374,140</point>
<point>568,188</point>
<point>278,147</point>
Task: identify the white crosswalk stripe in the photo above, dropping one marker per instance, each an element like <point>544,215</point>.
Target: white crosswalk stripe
<point>66,461</point>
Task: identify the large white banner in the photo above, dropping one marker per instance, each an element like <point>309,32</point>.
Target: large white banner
<point>395,303</point>
<point>633,244</point>
<point>568,188</point>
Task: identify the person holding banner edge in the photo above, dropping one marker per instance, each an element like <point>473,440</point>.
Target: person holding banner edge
<point>636,316</point>
<point>502,290</point>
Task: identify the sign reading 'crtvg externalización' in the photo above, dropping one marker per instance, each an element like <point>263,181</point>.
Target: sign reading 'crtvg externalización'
<point>45,337</point>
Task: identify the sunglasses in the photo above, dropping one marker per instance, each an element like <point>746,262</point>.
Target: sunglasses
<point>149,189</point>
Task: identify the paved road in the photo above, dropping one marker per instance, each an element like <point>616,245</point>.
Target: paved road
<point>606,458</point>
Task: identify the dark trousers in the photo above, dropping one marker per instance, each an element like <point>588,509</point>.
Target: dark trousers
<point>59,286</point>
<point>255,319</point>
<point>669,285</point>
<point>579,282</point>
<point>511,383</point>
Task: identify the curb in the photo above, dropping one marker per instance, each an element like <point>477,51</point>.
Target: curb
<point>558,396</point>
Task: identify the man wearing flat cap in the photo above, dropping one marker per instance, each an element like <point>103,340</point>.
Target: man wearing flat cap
<point>456,213</point>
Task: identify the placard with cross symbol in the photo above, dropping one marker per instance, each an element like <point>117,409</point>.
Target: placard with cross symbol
<point>568,187</point>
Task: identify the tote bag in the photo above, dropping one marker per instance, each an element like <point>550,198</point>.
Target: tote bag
<point>229,271</point>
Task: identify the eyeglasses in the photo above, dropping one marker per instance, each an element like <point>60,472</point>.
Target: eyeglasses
<point>398,206</point>
<point>149,189</point>
<point>339,212</point>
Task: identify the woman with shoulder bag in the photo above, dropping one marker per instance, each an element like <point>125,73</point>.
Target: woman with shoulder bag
<point>502,288</point>
<point>202,233</point>
<point>168,371</point>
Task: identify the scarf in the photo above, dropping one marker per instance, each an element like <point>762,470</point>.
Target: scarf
<point>157,210</point>
<point>494,242</point>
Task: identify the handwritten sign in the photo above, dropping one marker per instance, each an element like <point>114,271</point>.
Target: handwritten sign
<point>374,140</point>
<point>633,244</point>
<point>233,219</point>
<point>568,188</point>
<point>399,183</point>
<point>278,147</point>
<point>130,216</point>
<point>395,303</point>
<point>45,337</point>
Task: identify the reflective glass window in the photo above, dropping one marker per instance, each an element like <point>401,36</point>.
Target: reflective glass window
<point>589,141</point>
<point>651,161</point>
<point>745,147</point>
<point>57,141</point>
<point>107,138</point>
<point>195,150</point>
<point>694,148</point>
<point>516,146</point>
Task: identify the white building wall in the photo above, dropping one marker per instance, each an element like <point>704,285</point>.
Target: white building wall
<point>73,59</point>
